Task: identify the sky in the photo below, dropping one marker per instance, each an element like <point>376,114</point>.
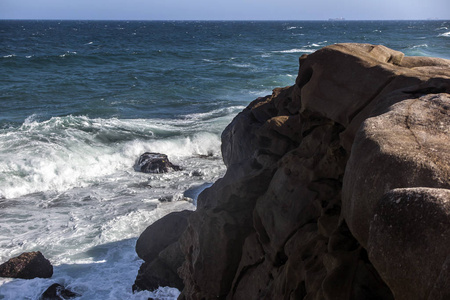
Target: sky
<point>224,9</point>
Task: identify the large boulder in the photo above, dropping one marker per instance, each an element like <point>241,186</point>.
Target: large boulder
<point>336,187</point>
<point>158,246</point>
<point>406,145</point>
<point>273,227</point>
<point>161,234</point>
<point>28,265</point>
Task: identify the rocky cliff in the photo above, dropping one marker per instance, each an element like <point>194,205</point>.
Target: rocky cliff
<point>336,188</point>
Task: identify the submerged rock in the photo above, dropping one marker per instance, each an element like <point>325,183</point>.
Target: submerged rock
<point>58,292</point>
<point>28,265</point>
<point>150,162</point>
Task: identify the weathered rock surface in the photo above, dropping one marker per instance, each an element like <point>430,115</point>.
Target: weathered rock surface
<point>158,246</point>
<point>407,145</point>
<point>409,242</point>
<point>151,162</point>
<point>336,188</point>
<point>28,265</point>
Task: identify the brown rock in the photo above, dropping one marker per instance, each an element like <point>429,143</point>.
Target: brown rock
<point>335,80</point>
<point>158,246</point>
<point>161,234</point>
<point>407,146</point>
<point>409,242</point>
<point>28,265</point>
<point>422,61</point>
<point>300,213</point>
<point>154,274</point>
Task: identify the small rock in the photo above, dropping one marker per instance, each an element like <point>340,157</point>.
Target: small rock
<point>166,198</point>
<point>151,162</point>
<point>58,292</point>
<point>196,173</point>
<point>28,265</point>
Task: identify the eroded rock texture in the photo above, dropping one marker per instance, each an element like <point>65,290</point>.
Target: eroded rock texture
<point>336,187</point>
<point>27,265</point>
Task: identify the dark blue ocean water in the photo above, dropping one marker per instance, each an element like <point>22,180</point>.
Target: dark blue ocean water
<point>167,69</point>
<point>81,100</point>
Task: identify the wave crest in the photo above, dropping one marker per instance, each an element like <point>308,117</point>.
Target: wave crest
<point>296,50</point>
<point>68,152</point>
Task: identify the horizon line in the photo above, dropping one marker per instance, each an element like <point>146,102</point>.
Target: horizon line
<point>338,19</point>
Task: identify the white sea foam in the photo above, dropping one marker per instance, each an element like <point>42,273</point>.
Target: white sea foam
<point>419,46</point>
<point>89,205</point>
<point>68,152</point>
<point>296,50</point>
<point>446,34</point>
<point>215,114</point>
<point>260,93</point>
<point>99,262</point>
<point>68,53</point>
<point>9,56</point>
<point>242,65</point>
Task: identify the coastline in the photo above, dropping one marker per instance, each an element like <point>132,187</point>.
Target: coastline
<point>325,186</point>
<point>74,119</point>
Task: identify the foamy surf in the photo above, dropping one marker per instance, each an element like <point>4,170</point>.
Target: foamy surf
<point>103,268</point>
<point>69,190</point>
<point>72,152</point>
<point>97,100</point>
<point>296,50</point>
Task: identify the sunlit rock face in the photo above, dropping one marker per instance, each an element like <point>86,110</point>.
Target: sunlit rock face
<point>336,187</point>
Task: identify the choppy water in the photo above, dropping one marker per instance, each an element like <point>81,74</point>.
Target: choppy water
<point>81,100</point>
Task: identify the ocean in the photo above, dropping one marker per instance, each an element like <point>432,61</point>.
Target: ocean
<point>80,101</point>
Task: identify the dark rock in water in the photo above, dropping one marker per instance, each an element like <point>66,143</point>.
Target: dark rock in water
<point>28,265</point>
<point>150,162</point>
<point>166,198</point>
<point>158,246</point>
<point>58,292</point>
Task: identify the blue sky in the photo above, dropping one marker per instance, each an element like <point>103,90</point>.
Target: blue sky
<point>224,9</point>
